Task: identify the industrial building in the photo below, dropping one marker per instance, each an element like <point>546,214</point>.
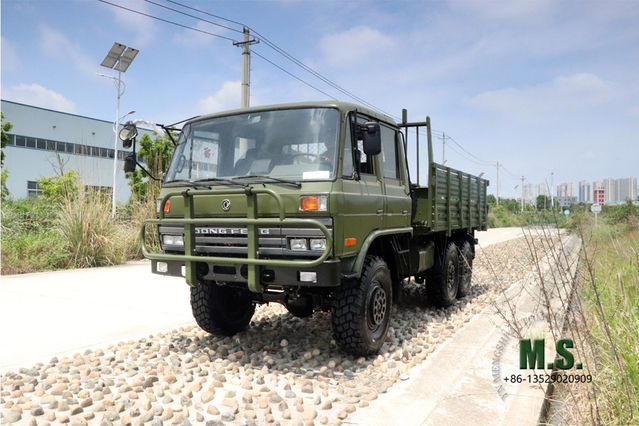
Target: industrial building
<point>43,142</point>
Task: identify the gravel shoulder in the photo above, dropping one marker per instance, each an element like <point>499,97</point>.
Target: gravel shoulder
<point>281,370</point>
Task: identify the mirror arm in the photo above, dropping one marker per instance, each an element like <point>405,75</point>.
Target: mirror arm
<point>167,130</point>
<point>148,174</point>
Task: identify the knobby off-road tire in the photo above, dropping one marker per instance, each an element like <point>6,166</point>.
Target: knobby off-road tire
<point>362,310</point>
<point>465,269</point>
<point>443,279</point>
<point>221,310</point>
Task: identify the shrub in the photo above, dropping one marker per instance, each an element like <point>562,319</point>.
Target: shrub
<point>89,234</point>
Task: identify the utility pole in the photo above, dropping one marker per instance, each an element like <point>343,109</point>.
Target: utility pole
<point>522,194</point>
<point>246,67</point>
<point>498,183</point>
<point>443,138</point>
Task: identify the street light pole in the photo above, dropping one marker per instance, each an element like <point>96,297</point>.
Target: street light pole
<point>118,58</point>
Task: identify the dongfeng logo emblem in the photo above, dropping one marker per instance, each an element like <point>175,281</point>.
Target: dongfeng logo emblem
<point>226,204</point>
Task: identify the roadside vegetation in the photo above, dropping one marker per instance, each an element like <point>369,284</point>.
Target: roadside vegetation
<point>606,321</point>
<point>592,298</point>
<point>509,213</point>
<point>70,227</point>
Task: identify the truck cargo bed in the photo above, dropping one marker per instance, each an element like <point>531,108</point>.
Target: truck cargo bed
<point>453,200</point>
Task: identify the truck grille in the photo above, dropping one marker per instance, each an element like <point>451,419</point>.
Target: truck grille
<point>232,241</point>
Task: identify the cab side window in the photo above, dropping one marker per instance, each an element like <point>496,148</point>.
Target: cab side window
<point>390,168</point>
<point>365,165</point>
<point>348,169</point>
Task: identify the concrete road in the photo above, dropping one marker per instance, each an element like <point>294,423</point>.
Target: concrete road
<point>63,312</point>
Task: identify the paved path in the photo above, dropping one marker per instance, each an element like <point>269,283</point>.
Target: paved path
<point>62,312</point>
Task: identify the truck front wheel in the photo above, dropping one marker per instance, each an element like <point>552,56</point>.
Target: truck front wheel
<point>362,310</point>
<point>443,278</point>
<point>221,310</point>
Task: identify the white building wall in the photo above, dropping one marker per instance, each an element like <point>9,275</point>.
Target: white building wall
<point>29,164</point>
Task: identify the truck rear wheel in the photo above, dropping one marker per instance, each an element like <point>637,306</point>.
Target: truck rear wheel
<point>465,269</point>
<point>443,279</point>
<point>221,310</point>
<point>362,310</point>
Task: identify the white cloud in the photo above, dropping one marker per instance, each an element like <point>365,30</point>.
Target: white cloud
<point>10,59</point>
<point>502,10</point>
<point>56,45</point>
<point>359,45</point>
<point>228,97</point>
<point>545,101</point>
<point>36,95</point>
<point>143,26</point>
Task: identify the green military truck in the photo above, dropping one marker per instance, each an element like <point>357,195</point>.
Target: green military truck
<point>311,205</point>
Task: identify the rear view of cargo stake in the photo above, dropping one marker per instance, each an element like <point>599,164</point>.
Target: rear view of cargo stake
<point>311,205</point>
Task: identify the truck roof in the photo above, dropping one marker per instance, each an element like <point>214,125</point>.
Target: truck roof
<point>342,106</point>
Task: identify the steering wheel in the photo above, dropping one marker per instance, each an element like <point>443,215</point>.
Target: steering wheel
<point>315,157</point>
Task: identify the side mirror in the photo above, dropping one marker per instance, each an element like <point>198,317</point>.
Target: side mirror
<point>129,164</point>
<point>372,138</point>
<point>128,133</point>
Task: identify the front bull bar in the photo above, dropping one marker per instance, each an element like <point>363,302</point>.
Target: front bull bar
<point>252,223</point>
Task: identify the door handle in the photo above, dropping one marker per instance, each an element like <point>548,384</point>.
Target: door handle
<point>380,211</point>
<point>405,212</point>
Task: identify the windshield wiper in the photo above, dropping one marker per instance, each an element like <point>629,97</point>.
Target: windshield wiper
<point>272,179</point>
<point>188,183</point>
<point>222,180</point>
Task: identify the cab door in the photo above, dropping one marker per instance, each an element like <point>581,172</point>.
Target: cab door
<point>397,201</point>
<point>363,194</point>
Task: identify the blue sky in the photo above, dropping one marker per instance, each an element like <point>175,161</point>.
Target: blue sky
<point>534,85</point>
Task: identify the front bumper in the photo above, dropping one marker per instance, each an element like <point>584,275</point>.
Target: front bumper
<point>326,274</point>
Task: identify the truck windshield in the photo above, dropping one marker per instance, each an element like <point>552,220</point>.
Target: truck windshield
<point>293,144</point>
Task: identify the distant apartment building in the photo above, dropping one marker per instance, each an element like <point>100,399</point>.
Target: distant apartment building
<point>565,201</point>
<point>585,192</point>
<point>528,193</point>
<point>625,188</point>
<point>566,190</point>
<point>599,196</point>
<point>609,190</point>
<point>541,189</point>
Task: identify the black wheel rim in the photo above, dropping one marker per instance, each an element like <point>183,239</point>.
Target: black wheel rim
<point>377,306</point>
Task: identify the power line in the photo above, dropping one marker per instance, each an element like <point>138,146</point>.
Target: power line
<point>468,159</point>
<point>512,176</point>
<point>488,163</point>
<point>305,82</point>
<point>291,58</point>
<point>167,21</point>
<point>206,13</point>
<point>192,16</point>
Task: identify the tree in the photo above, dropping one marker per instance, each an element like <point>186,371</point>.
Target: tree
<point>511,204</point>
<point>492,201</point>
<point>6,127</point>
<point>59,188</point>
<point>156,154</point>
<point>543,202</point>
